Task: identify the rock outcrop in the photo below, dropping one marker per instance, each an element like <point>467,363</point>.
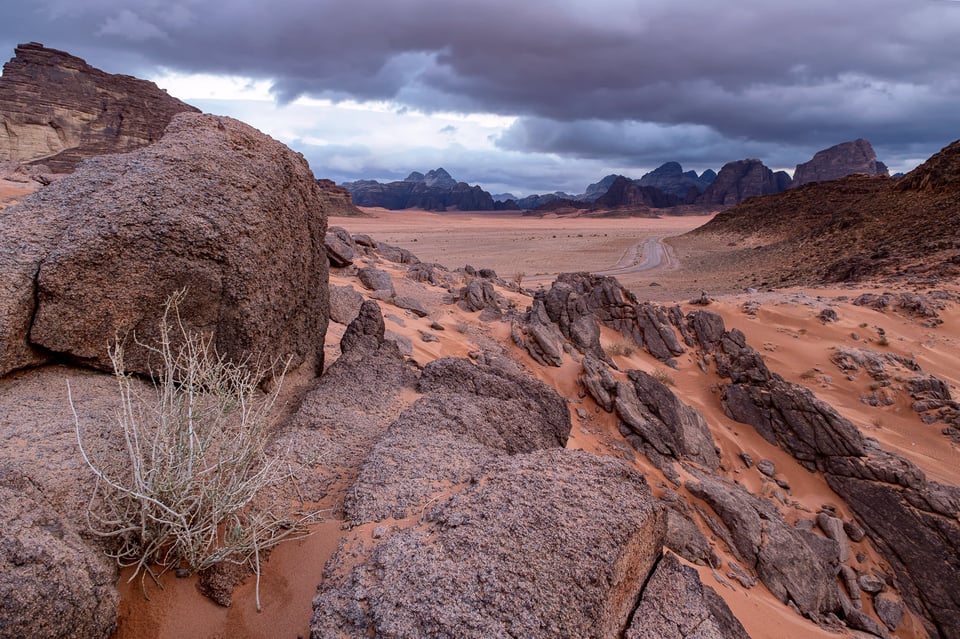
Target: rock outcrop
<point>57,109</point>
<point>839,161</point>
<point>215,207</point>
<point>912,521</point>
<point>743,179</point>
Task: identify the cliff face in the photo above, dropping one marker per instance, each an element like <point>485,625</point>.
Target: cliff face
<point>57,109</point>
<point>839,161</point>
<point>435,191</point>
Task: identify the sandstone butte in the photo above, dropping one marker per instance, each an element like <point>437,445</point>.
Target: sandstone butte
<point>493,461</point>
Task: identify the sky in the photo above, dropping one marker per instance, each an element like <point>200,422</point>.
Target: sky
<point>534,96</point>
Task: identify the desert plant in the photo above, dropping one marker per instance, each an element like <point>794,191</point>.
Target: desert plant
<point>518,279</point>
<point>808,374</point>
<point>621,348</point>
<point>663,377</point>
<point>182,491</point>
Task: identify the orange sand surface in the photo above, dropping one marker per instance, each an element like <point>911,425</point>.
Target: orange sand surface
<point>785,329</point>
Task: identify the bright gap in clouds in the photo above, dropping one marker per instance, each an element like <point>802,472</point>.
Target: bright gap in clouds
<point>384,139</point>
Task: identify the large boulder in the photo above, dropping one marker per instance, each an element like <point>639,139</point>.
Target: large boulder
<point>215,207</point>
<point>505,557</point>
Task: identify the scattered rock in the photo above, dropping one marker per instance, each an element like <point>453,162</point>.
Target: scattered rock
<point>345,303</point>
<point>828,315</point>
<point>889,608</point>
<point>376,279</point>
<point>367,329</point>
<point>411,304</point>
<point>766,467</point>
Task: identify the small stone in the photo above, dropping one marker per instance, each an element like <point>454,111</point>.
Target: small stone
<point>182,573</point>
<point>379,532</point>
<point>581,413</point>
<point>747,459</point>
<point>853,530</point>
<point>766,467</point>
<point>870,583</point>
<point>437,326</point>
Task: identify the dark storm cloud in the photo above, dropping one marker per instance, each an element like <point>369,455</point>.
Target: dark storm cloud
<point>589,78</point>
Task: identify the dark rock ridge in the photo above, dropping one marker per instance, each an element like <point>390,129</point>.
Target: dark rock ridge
<point>215,207</point>
<point>873,225</point>
<point>436,191</point>
<point>57,109</point>
<point>741,180</point>
<point>671,179</point>
<point>624,192</point>
<point>839,161</point>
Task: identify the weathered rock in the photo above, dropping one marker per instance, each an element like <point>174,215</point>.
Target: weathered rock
<point>53,583</point>
<point>870,583</point>
<point>396,254</point>
<point>449,435</point>
<point>839,161</point>
<point>889,608</point>
<point>367,329</point>
<point>539,336</point>
<point>658,417</point>
<point>670,178</point>
<point>877,365</point>
<point>503,557</point>
<point>676,605</point>
<point>376,279</point>
<point>345,303</point>
<point>57,109</point>
<point>435,274</point>
<point>766,467</point>
<point>340,250</point>
<point>833,529</point>
<point>479,295</point>
<point>578,299</point>
<point>215,207</point>
<point>795,565</point>
<point>686,539</point>
<point>599,383</point>
<point>411,304</point>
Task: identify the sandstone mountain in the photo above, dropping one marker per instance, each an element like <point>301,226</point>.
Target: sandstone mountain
<point>629,193</point>
<point>839,161</point>
<point>849,229</point>
<point>670,178</point>
<point>741,180</point>
<point>57,109</point>
<point>337,200</point>
<point>436,191</point>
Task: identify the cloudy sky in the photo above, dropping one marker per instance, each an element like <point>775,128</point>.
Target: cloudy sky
<point>536,95</point>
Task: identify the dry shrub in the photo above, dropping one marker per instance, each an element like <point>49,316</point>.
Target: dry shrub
<point>181,493</point>
<point>663,377</point>
<point>621,348</point>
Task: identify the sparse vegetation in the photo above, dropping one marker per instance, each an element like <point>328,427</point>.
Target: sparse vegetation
<point>621,348</point>
<point>181,493</point>
<point>883,341</point>
<point>663,377</point>
<point>808,374</point>
<point>518,279</point>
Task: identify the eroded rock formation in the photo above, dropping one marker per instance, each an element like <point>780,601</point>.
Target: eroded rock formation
<point>743,179</point>
<point>57,109</point>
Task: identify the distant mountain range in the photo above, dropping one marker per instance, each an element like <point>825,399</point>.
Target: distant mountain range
<point>666,187</point>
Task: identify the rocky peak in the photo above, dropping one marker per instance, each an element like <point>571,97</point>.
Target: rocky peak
<point>415,176</point>
<point>56,108</point>
<point>839,161</point>
<point>740,180</point>
<point>670,178</point>
<point>597,189</point>
<point>440,179</point>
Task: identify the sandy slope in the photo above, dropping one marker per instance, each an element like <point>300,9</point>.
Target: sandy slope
<point>794,342</point>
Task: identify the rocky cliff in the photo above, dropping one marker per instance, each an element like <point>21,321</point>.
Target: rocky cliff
<point>626,192</point>
<point>743,179</point>
<point>337,200</point>
<point>839,161</point>
<point>56,108</point>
